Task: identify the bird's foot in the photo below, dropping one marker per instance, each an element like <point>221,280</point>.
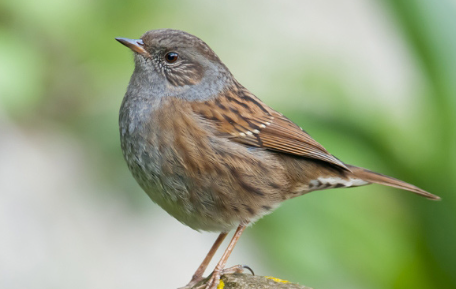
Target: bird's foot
<point>237,269</point>
<point>214,278</point>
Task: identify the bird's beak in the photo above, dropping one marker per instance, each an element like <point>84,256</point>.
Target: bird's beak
<point>137,45</point>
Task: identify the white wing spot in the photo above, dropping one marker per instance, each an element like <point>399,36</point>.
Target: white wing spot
<point>313,184</point>
<point>358,182</point>
<point>331,182</point>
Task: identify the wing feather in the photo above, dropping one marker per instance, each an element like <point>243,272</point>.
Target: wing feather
<point>242,117</point>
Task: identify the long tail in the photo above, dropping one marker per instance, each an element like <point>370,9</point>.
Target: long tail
<point>373,177</point>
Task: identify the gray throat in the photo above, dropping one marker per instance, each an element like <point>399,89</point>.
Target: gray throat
<point>148,88</point>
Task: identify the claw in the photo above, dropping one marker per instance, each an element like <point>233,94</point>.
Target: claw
<point>248,268</point>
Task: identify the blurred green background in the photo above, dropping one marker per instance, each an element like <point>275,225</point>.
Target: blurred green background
<point>372,81</point>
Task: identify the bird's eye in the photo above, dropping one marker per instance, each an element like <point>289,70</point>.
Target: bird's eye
<point>171,57</point>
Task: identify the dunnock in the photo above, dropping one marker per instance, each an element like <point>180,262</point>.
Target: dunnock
<point>211,153</point>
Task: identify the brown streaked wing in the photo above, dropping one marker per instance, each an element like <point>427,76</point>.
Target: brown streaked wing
<point>242,117</point>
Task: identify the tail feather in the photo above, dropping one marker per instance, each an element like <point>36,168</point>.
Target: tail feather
<point>373,177</point>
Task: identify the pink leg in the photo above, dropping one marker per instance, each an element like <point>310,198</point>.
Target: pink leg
<point>216,274</point>
<point>198,276</point>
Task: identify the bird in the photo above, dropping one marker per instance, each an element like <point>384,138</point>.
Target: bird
<point>211,153</point>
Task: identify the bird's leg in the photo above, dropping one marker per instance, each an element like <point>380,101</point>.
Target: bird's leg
<point>216,274</point>
<point>198,276</point>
